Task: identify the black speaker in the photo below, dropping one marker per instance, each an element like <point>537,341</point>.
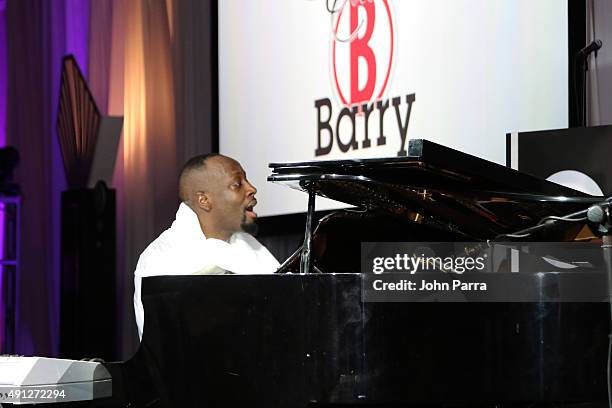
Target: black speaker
<point>88,299</point>
<point>584,150</point>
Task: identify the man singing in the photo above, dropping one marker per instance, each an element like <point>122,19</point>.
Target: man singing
<point>212,229</point>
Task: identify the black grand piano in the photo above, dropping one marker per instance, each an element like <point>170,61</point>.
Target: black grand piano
<point>306,338</point>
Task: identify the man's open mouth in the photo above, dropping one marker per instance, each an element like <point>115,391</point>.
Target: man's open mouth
<point>248,210</point>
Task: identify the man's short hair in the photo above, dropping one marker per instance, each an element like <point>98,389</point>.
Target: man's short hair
<point>195,163</point>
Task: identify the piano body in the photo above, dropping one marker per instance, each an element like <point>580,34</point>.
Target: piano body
<point>308,339</point>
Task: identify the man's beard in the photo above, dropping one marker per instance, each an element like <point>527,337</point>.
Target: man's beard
<point>250,227</point>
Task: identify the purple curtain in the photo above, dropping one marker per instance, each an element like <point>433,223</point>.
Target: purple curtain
<point>3,84</point>
<point>3,77</point>
<point>39,34</point>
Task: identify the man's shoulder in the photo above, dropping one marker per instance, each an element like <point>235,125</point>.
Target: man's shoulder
<point>156,254</point>
<point>160,245</point>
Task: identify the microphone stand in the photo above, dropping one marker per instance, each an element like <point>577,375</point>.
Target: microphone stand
<point>607,256</point>
<point>581,109</point>
<point>583,56</point>
<point>584,90</point>
<point>601,218</point>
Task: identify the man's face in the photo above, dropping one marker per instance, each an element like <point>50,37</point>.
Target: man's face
<point>232,196</point>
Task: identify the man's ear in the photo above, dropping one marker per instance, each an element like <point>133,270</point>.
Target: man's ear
<point>204,201</point>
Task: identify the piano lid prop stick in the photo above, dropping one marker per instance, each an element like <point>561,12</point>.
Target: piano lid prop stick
<point>305,260</point>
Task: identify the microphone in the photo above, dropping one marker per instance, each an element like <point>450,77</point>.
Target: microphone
<point>596,213</point>
<point>592,47</point>
<point>598,216</point>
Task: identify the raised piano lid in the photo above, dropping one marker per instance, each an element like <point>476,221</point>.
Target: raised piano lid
<point>438,186</point>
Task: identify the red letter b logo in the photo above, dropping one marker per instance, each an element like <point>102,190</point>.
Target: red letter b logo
<point>361,49</point>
